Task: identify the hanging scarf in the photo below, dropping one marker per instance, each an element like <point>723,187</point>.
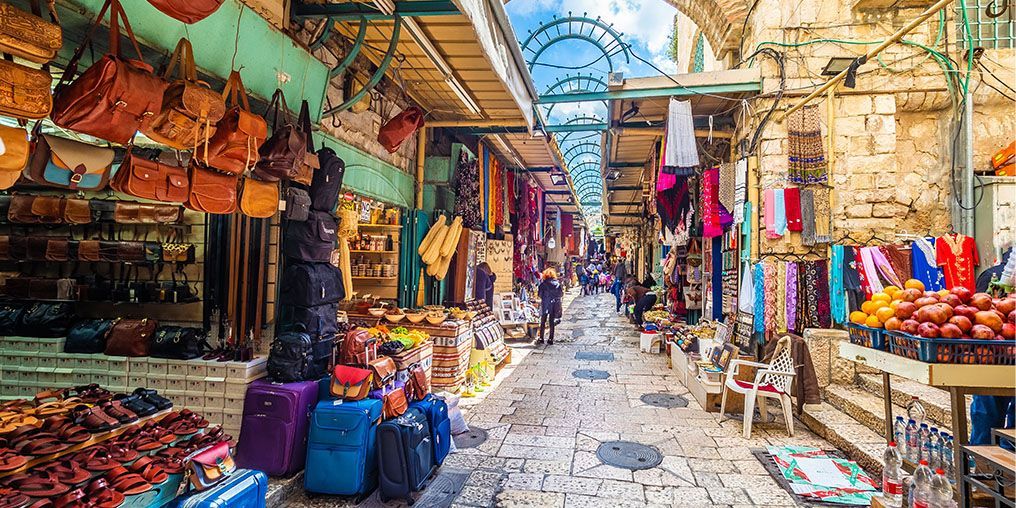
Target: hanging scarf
<point>792,203</point>
<point>740,189</point>
<point>769,269</point>
<point>746,232</point>
<point>837,291</point>
<point>870,272</point>
<point>770,213</point>
<point>780,212</point>
<point>726,185</point>
<point>792,295</point>
<point>759,303</point>
<point>710,204</point>
<point>815,275</point>
<point>746,293</point>
<point>781,297</point>
<point>805,147</point>
<point>807,217</point>
<point>822,216</point>
<point>861,274</point>
<point>899,259</point>
<point>883,266</point>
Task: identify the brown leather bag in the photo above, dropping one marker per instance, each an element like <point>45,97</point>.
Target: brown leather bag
<point>130,337</point>
<point>384,371</point>
<point>417,386</point>
<point>88,250</point>
<point>309,163</point>
<point>69,164</point>
<point>115,97</point>
<point>188,11</point>
<point>148,179</point>
<point>20,210</point>
<point>26,91</point>
<point>283,151</point>
<point>13,154</point>
<point>77,211</point>
<point>259,199</point>
<point>401,126</point>
<point>210,191</point>
<point>354,347</point>
<point>49,209</point>
<point>27,35</point>
<point>238,136</point>
<point>190,109</point>
<point>5,248</point>
<point>393,403</point>
<point>58,249</point>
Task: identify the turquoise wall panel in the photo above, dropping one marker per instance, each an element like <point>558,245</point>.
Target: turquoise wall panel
<point>369,176</point>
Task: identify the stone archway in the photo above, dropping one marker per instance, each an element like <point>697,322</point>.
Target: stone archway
<point>719,20</point>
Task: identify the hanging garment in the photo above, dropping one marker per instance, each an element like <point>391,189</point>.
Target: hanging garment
<point>822,216</point>
<point>680,150</point>
<point>710,205</point>
<point>957,255</point>
<point>805,147</point>
<point>807,217</point>
<point>837,290</point>
<point>758,309</point>
<point>871,275</point>
<point>862,276</point>
<point>746,232</point>
<point>924,266</point>
<point>779,212</point>
<point>769,196</point>
<point>781,297</point>
<point>852,280</point>
<point>814,276</point>
<point>792,295</point>
<point>740,189</point>
<point>899,260</point>
<point>792,203</point>
<point>726,185</point>
<point>746,293</point>
<point>769,282</point>
<point>467,192</point>
<point>884,268</point>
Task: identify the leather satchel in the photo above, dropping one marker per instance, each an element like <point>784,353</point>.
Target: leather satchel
<point>238,136</point>
<point>281,153</point>
<point>210,191</point>
<point>20,211</point>
<point>115,97</point>
<point>88,250</point>
<point>46,320</point>
<point>148,179</point>
<point>77,211</point>
<point>177,342</point>
<point>384,371</point>
<point>27,35</point>
<point>259,199</point>
<point>393,401</point>
<point>350,383</point>
<point>306,165</point>
<point>69,164</point>
<point>26,91</point>
<point>190,108</point>
<point>401,126</point>
<point>88,336</point>
<point>417,386</point>
<point>48,209</point>
<point>13,153</point>
<point>130,337</point>
<point>5,248</point>
<point>187,11</point>
<point>210,465</point>
<point>58,249</point>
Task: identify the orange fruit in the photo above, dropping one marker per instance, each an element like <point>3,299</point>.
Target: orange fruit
<point>857,317</point>
<point>883,314</point>
<point>943,292</point>
<point>894,303</point>
<point>873,322</point>
<point>914,284</point>
<point>881,297</point>
<point>868,307</point>
<point>891,291</point>
<point>880,304</point>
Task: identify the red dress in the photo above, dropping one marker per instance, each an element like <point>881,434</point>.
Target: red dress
<point>957,255</point>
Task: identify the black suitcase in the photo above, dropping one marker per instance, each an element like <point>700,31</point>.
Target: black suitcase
<point>405,455</point>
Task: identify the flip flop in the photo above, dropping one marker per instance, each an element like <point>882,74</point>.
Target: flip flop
<point>66,430</point>
<point>103,496</point>
<point>73,499</point>
<point>149,470</point>
<point>12,498</point>
<point>10,459</point>
<point>121,452</point>
<point>67,471</point>
<point>38,485</point>
<point>128,483</point>
<point>96,459</point>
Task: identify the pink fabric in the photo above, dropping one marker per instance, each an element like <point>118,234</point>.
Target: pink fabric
<point>710,203</point>
<point>791,301</point>
<point>665,181</point>
<point>883,266</point>
<point>770,214</point>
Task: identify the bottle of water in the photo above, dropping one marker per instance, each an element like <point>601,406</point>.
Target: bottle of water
<point>913,451</point>
<point>947,455</point>
<point>934,449</point>
<point>922,442</point>
<point>941,491</point>
<point>920,486</point>
<point>915,410</point>
<point>892,477</point>
<point>900,436</point>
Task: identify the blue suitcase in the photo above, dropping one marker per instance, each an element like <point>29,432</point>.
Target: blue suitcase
<point>244,488</point>
<point>405,455</point>
<point>440,426</point>
<point>342,447</point>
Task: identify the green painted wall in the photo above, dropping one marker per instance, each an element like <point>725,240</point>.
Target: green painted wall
<point>369,176</point>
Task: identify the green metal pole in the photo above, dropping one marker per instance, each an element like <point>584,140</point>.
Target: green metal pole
<point>376,78</point>
<point>355,50</point>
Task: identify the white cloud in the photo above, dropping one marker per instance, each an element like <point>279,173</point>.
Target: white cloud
<point>645,21</point>
<point>527,7</point>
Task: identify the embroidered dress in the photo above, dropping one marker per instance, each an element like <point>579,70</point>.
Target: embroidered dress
<point>925,268</point>
<point>815,276</point>
<point>805,147</point>
<point>822,216</point>
<point>852,280</point>
<point>710,205</point>
<point>957,255</point>
<point>680,150</point>
<point>861,274</point>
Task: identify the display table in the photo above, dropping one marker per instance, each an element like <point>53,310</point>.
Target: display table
<point>999,469</point>
<point>959,380</point>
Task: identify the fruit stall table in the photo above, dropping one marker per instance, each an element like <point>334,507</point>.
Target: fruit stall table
<point>959,380</point>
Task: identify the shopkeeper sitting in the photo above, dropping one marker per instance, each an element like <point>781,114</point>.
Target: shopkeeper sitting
<point>643,297</point>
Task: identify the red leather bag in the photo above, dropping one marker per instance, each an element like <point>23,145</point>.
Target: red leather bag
<point>188,11</point>
<point>238,136</point>
<point>130,337</point>
<point>115,97</point>
<point>401,126</point>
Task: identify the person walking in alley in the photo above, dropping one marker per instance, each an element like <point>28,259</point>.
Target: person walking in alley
<point>616,289</point>
<point>550,292</point>
<point>644,300</point>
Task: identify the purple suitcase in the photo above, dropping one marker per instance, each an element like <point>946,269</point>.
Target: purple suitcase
<point>273,434</point>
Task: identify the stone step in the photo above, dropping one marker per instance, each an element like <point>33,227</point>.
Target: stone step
<point>280,489</point>
<point>935,401</point>
<point>860,443</point>
<point>862,406</point>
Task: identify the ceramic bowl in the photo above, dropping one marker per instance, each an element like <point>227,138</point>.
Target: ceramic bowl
<point>436,318</point>
<point>394,318</point>
<point>377,311</point>
<point>416,317</point>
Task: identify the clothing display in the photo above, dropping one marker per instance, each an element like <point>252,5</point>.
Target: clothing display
<point>806,147</point>
<point>680,150</point>
<point>467,192</point>
<point>957,255</point>
<point>924,264</point>
<point>710,205</point>
<point>808,217</point>
<point>837,290</point>
<point>791,298</point>
<point>740,189</point>
<point>792,203</point>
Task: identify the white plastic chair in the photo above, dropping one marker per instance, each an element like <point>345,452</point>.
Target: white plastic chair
<point>772,380</point>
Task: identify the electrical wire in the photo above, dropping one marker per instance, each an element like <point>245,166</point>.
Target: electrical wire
<point>992,74</point>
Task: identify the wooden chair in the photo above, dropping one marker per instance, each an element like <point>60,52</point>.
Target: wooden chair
<point>772,380</point>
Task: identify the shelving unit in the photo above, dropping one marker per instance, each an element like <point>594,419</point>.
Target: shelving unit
<point>385,287</point>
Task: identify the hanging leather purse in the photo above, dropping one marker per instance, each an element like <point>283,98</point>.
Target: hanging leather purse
<point>20,210</point>
<point>210,465</point>
<point>350,383</point>
<point>148,179</point>
<point>306,165</point>
<point>130,337</point>
<point>234,147</point>
<point>190,109</point>
<point>115,97</point>
<point>297,204</point>
<point>77,211</point>
<point>259,199</point>
<point>27,35</point>
<point>281,152</point>
<point>48,209</point>
<point>393,400</point>
<point>26,91</point>
<point>13,154</point>
<point>69,164</point>
<point>58,249</point>
<point>210,191</point>
<point>384,371</point>
<point>187,11</point>
<point>398,128</point>
<point>88,250</point>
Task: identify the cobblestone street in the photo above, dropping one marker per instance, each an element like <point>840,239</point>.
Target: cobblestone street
<point>544,427</point>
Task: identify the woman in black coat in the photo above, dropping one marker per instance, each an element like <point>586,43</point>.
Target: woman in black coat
<point>550,292</point>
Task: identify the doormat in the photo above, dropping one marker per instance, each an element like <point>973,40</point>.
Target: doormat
<point>768,461</point>
<point>475,437</point>
<point>664,400</point>
<point>629,455</point>
<point>595,356</point>
<point>591,374</point>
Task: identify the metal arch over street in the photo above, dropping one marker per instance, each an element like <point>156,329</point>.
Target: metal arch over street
<point>578,83</point>
<point>593,31</point>
<point>378,74</point>
<point>570,153</point>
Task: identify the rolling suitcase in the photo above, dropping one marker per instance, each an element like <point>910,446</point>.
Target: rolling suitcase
<point>436,411</point>
<point>244,488</point>
<point>405,455</point>
<point>342,447</point>
<point>273,436</point>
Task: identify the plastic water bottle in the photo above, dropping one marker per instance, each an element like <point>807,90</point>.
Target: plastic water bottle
<point>915,410</point>
<point>947,455</point>
<point>941,491</point>
<point>934,449</point>
<point>913,451</point>
<point>900,436</point>
<point>920,486</point>
<point>892,477</point>
<point>922,443</point>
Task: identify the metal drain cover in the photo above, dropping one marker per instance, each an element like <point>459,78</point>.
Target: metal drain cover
<point>443,489</point>
<point>590,374</point>
<point>629,455</point>
<point>664,400</point>
<point>594,356</point>
<point>475,437</point>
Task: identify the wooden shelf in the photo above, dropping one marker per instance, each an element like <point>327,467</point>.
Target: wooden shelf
<point>990,378</point>
<point>375,278</point>
<point>374,251</point>
<point>379,226</point>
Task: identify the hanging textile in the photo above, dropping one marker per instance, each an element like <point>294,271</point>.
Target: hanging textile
<point>467,192</point>
<point>769,283</point>
<point>815,278</point>
<point>758,308</point>
<point>884,268</point>
<point>837,290</point>
<point>567,225</point>
<point>871,275</point>
<point>924,265</point>
<point>807,217</point>
<point>792,294</point>
<point>822,216</point>
<point>781,297</point>
<point>746,291</point>
<point>957,255</point>
<point>769,196</point>
<point>740,189</point>
<point>484,165</point>
<point>726,185</point>
<point>862,274</point>
<point>899,260</point>
<point>746,227</point>
<point>792,203</point>
<point>710,204</point>
<point>779,212</point>
<point>805,147</point>
<point>852,280</point>
<point>680,150</point>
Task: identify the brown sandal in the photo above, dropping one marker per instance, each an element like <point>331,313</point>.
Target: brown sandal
<point>149,470</point>
<point>103,496</point>
<point>120,413</point>
<point>67,471</point>
<point>10,459</point>
<point>126,482</point>
<point>96,459</point>
<point>93,419</point>
<point>12,498</point>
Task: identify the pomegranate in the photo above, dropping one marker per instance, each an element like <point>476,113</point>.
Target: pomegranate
<point>928,330</point>
<point>963,293</point>
<point>962,322</point>
<point>911,294</point>
<point>1008,331</point>
<point>924,301</point>
<point>989,319</point>
<point>946,308</point>
<point>1006,305</point>
<point>981,300</point>
<point>965,310</point>
<point>905,309</point>
<point>932,294</point>
<point>910,326</point>
<point>950,331</point>
<point>1012,317</point>
<point>982,332</point>
<point>952,300</point>
<point>932,314</point>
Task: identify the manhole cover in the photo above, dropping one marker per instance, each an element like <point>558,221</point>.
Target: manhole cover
<point>664,400</point>
<point>629,455</point>
<point>475,437</point>
<point>442,490</point>
<point>594,356</point>
<point>590,374</point>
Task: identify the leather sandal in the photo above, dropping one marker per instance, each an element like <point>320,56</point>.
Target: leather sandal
<point>93,419</point>
<point>126,482</point>
<point>73,499</point>
<point>38,484</point>
<point>96,459</point>
<point>198,420</point>
<point>67,471</point>
<point>102,494</point>
<point>158,432</point>
<point>116,410</point>
<point>48,396</point>
<point>121,452</point>
<point>10,459</point>
<point>66,430</point>
<point>29,440</point>
<point>152,397</point>
<point>135,404</point>
<point>12,498</point>
<point>170,464</point>
<point>149,470</point>
<point>92,393</point>
<point>10,421</point>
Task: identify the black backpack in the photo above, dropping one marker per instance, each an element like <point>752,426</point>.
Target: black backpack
<point>311,284</point>
<point>319,321</point>
<point>88,336</point>
<point>296,356</point>
<point>327,181</point>
<point>312,240</point>
<point>177,343</point>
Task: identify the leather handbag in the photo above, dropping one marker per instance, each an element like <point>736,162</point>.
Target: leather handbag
<point>297,204</point>
<point>27,35</point>
<point>130,251</point>
<point>5,248</point>
<point>26,91</point>
<point>46,320</point>
<point>13,153</point>
<point>19,248</point>
<point>281,153</point>
<point>190,108</point>
<point>10,316</point>
<point>238,136</point>
<point>350,383</point>
<point>109,250</point>
<point>58,249</point>
<point>77,211</point>
<point>383,369</point>
<point>69,164</point>
<point>175,252</point>
<point>37,246</point>
<point>210,465</point>
<point>88,250</point>
<point>417,386</point>
<point>187,11</point>
<point>259,199</point>
<point>127,212</point>
<point>115,97</point>
<point>309,163</point>
<point>393,400</point>
<point>401,126</point>
<point>177,342</point>
<point>210,191</point>
<point>88,336</point>
<point>20,210</point>
<point>48,209</point>
<point>148,179</point>
<point>130,337</point>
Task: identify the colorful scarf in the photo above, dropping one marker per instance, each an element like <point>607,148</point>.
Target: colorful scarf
<point>780,212</point>
<point>792,294</point>
<point>884,267</point>
<point>746,292</point>
<point>781,297</point>
<point>815,275</point>
<point>770,213</point>
<point>807,217</point>
<point>822,216</point>
<point>792,202</point>
<point>740,189</point>
<point>710,204</point>
<point>837,291</point>
<point>870,272</point>
<point>770,284</point>
<point>746,232</point>
<point>760,299</point>
<point>861,274</point>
